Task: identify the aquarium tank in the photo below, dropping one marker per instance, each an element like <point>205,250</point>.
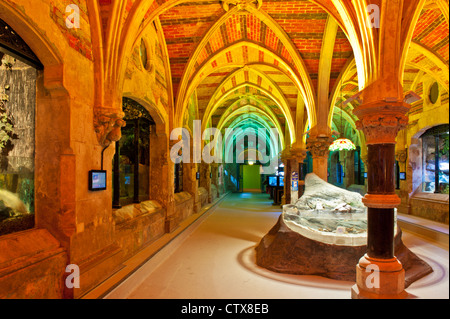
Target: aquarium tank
<point>17,144</point>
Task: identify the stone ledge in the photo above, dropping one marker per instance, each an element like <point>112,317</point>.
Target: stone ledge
<point>135,210</point>
<point>18,247</point>
<point>182,197</point>
<point>431,197</point>
<point>32,265</point>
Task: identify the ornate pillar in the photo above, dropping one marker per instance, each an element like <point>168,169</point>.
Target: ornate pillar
<point>318,147</point>
<point>379,274</point>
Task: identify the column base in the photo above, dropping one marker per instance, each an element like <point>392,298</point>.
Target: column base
<point>360,294</point>
<point>379,279</point>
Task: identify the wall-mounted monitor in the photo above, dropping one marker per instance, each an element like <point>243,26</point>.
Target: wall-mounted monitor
<point>97,180</point>
<point>402,176</point>
<point>273,181</point>
<point>281,181</point>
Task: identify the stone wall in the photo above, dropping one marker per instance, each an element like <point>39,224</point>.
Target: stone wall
<point>32,265</point>
<point>422,116</point>
<point>203,196</point>
<point>138,225</point>
<point>430,206</point>
<point>184,206</point>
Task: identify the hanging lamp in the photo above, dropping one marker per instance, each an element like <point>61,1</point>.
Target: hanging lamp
<point>342,143</point>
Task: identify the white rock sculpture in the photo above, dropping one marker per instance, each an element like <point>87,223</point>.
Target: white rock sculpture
<point>324,196</point>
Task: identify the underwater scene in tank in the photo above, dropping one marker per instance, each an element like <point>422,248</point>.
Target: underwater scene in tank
<point>17,144</point>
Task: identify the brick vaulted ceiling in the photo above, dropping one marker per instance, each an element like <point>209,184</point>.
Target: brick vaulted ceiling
<point>208,44</point>
<point>186,25</point>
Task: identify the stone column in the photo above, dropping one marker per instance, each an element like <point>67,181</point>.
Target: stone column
<point>379,274</point>
<point>292,159</point>
<point>215,179</point>
<point>349,168</point>
<point>205,179</point>
<point>286,159</point>
<point>318,147</point>
<point>162,176</point>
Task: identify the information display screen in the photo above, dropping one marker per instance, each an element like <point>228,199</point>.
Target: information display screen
<point>273,181</point>
<point>97,180</point>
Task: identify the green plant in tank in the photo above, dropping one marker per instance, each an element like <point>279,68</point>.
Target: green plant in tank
<point>27,193</point>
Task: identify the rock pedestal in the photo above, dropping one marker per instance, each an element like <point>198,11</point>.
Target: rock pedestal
<point>284,250</point>
<point>316,237</point>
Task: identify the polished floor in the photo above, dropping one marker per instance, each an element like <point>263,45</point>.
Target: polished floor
<point>214,259</point>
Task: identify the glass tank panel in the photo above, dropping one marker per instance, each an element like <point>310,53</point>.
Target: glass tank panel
<point>17,143</point>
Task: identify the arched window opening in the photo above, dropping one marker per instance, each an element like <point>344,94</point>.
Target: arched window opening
<point>435,168</point>
<point>18,73</point>
<point>131,163</point>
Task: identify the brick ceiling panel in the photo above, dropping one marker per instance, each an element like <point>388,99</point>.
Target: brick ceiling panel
<point>432,31</point>
<point>416,59</point>
<point>409,76</point>
<point>184,26</point>
<point>253,26</point>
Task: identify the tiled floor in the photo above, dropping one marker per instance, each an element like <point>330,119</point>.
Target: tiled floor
<point>214,258</point>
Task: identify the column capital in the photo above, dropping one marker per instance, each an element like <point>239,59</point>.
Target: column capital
<point>298,154</point>
<point>318,146</point>
<point>401,156</point>
<point>108,123</point>
<point>382,120</point>
<point>286,154</point>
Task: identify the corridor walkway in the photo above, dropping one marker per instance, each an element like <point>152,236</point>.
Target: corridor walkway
<point>214,259</point>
